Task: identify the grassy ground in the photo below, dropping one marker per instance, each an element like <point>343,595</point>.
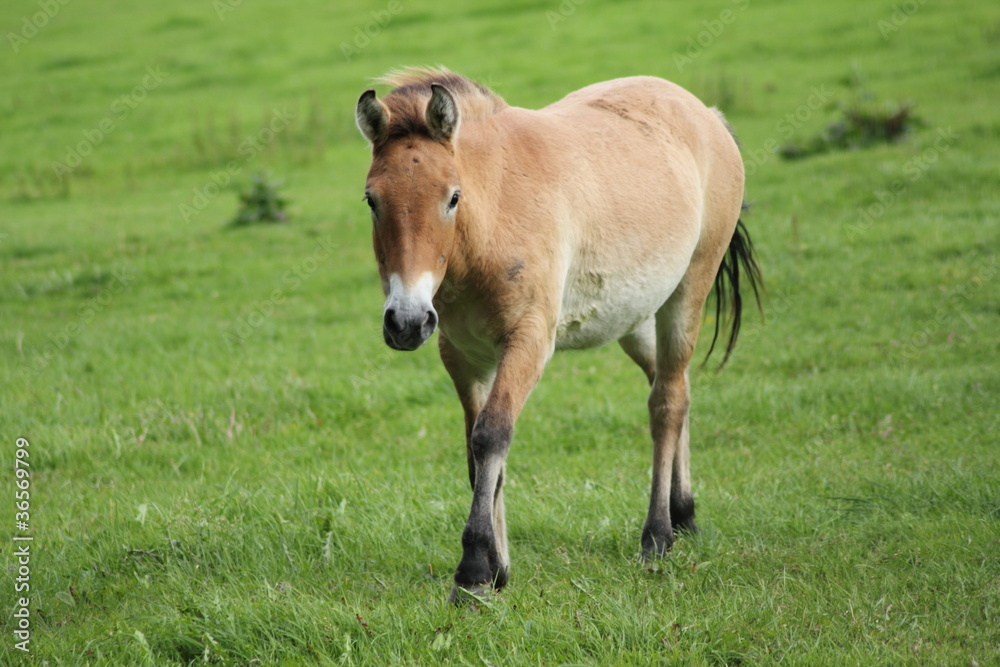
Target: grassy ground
<point>227,464</point>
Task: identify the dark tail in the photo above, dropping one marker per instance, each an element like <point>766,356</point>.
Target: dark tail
<point>727,287</point>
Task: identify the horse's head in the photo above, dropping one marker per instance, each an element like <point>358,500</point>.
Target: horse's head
<point>413,191</point>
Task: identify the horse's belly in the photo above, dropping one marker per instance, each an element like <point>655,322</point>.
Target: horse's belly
<point>600,307</point>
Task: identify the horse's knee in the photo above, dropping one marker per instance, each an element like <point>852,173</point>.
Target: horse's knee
<point>491,436</point>
<point>670,396</point>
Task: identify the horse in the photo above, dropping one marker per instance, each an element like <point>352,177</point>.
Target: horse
<point>610,215</point>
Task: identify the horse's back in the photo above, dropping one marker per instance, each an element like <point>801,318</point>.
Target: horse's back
<point>655,106</point>
<point>635,87</point>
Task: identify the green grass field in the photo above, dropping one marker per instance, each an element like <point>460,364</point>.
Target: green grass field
<point>229,466</point>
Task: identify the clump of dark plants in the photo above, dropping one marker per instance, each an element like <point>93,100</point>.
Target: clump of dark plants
<point>261,202</point>
<point>863,122</point>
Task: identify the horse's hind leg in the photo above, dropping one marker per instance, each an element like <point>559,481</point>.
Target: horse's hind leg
<point>671,503</point>
<point>640,346</point>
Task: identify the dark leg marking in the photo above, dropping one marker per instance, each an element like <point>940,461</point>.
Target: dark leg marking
<point>682,513</point>
<point>481,564</point>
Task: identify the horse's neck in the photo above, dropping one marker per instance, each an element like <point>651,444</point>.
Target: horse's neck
<point>480,155</point>
<point>492,231</point>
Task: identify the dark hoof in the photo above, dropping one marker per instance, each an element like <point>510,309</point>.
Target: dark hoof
<point>682,514</point>
<point>469,595</point>
<point>688,527</point>
<point>656,545</point>
<point>463,593</point>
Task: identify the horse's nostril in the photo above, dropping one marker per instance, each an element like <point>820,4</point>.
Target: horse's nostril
<point>430,320</point>
<point>390,322</point>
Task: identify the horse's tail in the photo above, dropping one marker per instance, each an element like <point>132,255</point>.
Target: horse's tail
<point>728,299</point>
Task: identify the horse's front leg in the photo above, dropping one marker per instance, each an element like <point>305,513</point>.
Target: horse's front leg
<point>485,562</point>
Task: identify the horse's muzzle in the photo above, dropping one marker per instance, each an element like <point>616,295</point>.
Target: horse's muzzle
<point>408,330</point>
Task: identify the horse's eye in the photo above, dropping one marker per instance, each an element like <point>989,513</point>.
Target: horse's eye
<point>454,201</point>
<point>368,200</point>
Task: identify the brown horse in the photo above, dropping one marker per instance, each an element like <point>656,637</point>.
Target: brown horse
<point>609,215</point>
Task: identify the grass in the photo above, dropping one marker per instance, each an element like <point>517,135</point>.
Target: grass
<point>229,466</point>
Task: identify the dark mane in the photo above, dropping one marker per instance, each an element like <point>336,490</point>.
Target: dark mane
<point>412,89</point>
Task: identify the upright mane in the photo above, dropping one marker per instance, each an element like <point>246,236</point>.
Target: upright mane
<point>412,89</point>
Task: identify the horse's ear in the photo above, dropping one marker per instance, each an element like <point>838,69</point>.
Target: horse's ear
<point>372,117</point>
<point>442,114</point>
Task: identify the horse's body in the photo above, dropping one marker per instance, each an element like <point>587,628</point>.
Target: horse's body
<point>605,216</point>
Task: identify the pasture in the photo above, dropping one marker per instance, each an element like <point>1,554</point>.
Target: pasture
<point>227,464</point>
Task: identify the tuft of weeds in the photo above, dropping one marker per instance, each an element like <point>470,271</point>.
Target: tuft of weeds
<point>261,202</point>
<point>864,122</point>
